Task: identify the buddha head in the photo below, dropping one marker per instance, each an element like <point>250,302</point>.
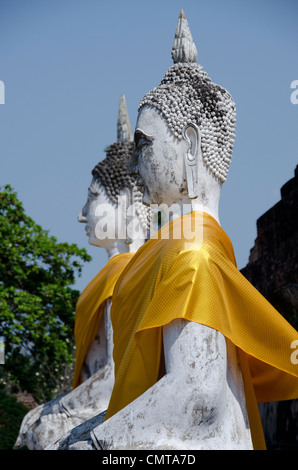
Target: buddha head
<point>185,131</point>
<point>114,211</point>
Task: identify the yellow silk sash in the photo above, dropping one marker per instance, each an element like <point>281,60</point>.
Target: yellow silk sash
<point>197,279</point>
<point>90,305</point>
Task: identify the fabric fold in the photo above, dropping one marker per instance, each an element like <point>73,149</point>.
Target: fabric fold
<point>90,307</point>
<point>195,277</point>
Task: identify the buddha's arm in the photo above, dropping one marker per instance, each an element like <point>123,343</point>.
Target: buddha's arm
<point>96,389</point>
<point>99,353</point>
<point>53,419</point>
<point>190,394</point>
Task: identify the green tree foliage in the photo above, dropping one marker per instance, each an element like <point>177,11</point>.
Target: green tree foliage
<point>37,302</point>
<point>11,415</point>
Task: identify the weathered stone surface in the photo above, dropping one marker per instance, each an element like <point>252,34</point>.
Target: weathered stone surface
<point>273,261</point>
<point>280,421</point>
<point>78,438</point>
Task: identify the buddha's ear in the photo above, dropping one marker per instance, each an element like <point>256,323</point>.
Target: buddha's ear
<point>191,134</point>
<point>125,206</point>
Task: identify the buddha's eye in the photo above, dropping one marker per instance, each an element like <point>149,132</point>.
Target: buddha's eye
<point>92,196</point>
<point>141,141</point>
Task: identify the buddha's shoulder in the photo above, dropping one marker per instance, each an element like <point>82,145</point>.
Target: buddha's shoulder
<point>174,251</point>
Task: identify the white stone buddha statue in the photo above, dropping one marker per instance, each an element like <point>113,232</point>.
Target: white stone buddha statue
<point>114,202</point>
<point>191,335</point>
<point>174,173</point>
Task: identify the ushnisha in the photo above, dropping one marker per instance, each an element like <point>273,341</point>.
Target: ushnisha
<point>187,94</point>
<point>112,175</point>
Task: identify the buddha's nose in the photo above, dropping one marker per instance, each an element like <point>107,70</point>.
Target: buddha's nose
<point>81,217</point>
<point>132,165</point>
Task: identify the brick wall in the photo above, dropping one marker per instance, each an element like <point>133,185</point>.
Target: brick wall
<point>273,270</point>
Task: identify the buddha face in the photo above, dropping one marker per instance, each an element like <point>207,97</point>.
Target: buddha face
<point>104,220</point>
<point>158,159</point>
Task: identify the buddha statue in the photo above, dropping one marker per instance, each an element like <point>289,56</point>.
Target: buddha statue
<point>196,346</point>
<point>114,202</point>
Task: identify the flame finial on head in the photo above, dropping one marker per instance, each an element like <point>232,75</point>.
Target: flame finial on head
<point>111,172</point>
<point>124,130</point>
<point>184,49</point>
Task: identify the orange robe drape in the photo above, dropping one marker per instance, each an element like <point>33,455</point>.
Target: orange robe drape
<point>90,307</point>
<point>188,270</point>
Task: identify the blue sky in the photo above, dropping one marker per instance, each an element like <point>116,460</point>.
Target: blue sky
<point>65,64</point>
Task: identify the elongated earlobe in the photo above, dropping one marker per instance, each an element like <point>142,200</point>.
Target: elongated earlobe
<point>124,211</point>
<point>191,133</point>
